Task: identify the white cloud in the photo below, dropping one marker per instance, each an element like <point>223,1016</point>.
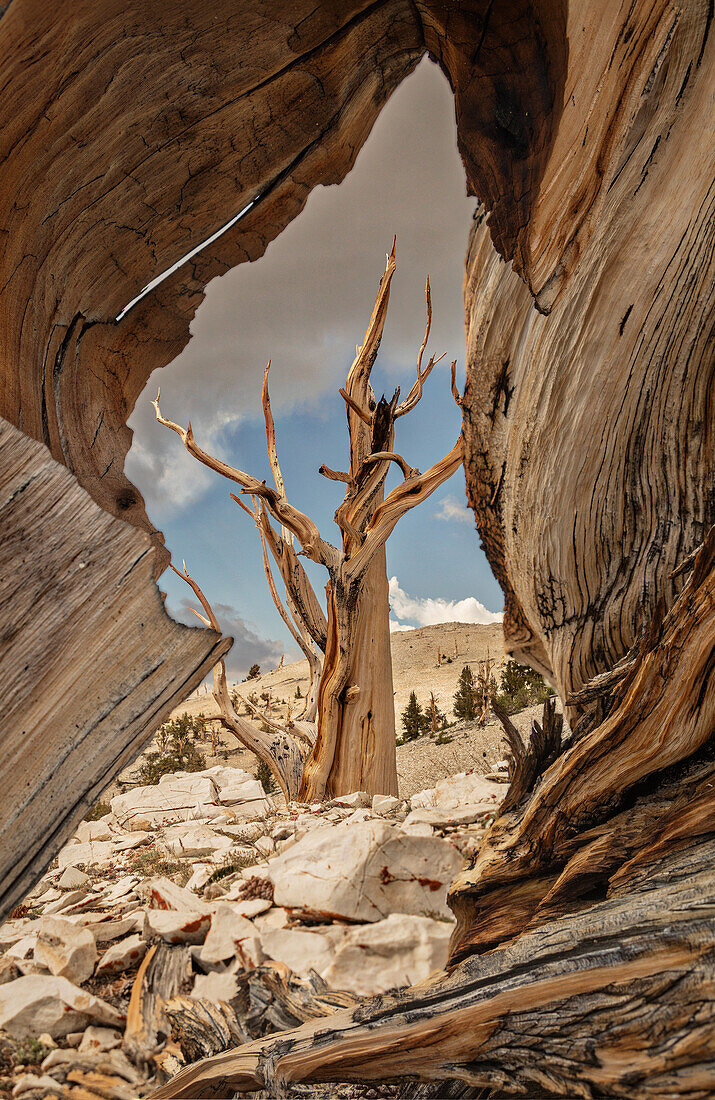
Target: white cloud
<point>248,645</point>
<point>306,302</point>
<point>429,611</point>
<point>452,509</point>
<point>397,628</point>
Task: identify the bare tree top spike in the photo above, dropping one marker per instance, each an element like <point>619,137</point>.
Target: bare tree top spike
<point>453,382</point>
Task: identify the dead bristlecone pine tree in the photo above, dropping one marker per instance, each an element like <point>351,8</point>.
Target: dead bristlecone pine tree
<point>344,739</point>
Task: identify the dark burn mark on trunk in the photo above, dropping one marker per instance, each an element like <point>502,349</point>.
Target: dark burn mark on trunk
<point>625,317</point>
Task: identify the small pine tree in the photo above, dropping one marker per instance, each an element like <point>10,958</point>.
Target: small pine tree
<point>177,750</point>
<point>265,777</point>
<point>465,697</point>
<point>298,693</point>
<point>254,672</point>
<point>521,687</point>
<point>412,720</point>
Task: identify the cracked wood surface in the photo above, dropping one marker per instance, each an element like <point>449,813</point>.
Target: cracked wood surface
<point>605,1001</point>
<point>90,662</point>
<point>589,420</point>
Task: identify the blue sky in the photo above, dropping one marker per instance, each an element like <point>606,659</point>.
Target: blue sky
<point>305,305</point>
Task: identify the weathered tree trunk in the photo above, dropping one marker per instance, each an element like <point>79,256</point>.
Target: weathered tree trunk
<point>356,708</point>
<point>79,607</point>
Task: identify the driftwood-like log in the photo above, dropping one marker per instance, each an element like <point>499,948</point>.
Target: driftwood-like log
<point>269,999</point>
<point>164,970</point>
<point>603,1001</point>
<point>90,663</point>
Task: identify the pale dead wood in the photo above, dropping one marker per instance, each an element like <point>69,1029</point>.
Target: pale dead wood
<point>391,456</point>
<point>81,612</point>
<point>296,521</point>
<point>294,621</point>
<point>283,750</point>
<point>404,497</point>
<point>351,698</point>
<point>160,976</point>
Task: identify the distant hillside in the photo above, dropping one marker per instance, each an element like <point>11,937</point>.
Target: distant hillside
<point>414,668</point>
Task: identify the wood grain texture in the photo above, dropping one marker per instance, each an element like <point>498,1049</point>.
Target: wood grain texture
<point>589,419</point>
<point>136,132</point>
<point>90,663</point>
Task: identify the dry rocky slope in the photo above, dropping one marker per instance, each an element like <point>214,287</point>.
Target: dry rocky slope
<point>414,668</point>
<point>189,890</point>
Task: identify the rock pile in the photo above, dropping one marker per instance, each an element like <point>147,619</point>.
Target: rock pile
<point>191,884</point>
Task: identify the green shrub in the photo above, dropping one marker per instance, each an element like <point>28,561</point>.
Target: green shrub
<point>413,720</point>
<point>230,865</point>
<point>100,809</point>
<point>266,778</point>
<point>465,704</point>
<point>521,687</point>
<point>177,750</point>
<point>30,1052</point>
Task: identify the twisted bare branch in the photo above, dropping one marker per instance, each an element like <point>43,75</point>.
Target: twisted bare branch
<point>299,524</point>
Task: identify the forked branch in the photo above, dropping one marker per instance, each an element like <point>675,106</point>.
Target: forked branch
<point>401,500</point>
<point>415,393</point>
<point>296,521</point>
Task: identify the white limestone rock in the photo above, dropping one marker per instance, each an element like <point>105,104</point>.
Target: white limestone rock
<point>417,828</point>
<point>302,951</point>
<point>463,789</point>
<point>265,845</point>
<point>124,955</point>
<point>98,1039</point>
<point>442,817</point>
<point>232,936</point>
<point>363,871</point>
<point>172,799</point>
<point>398,951</point>
<point>384,803</point>
<point>200,875</point>
<point>22,948</point>
<point>162,893</point>
<point>353,800</point>
<point>274,917</point>
<point>66,949</point>
<point>176,925</point>
<point>219,793</point>
<point>90,853</point>
<point>95,830</point>
<point>219,985</point>
<point>72,878</point>
<point>194,840</point>
<point>136,839</point>
<point>42,1002</point>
